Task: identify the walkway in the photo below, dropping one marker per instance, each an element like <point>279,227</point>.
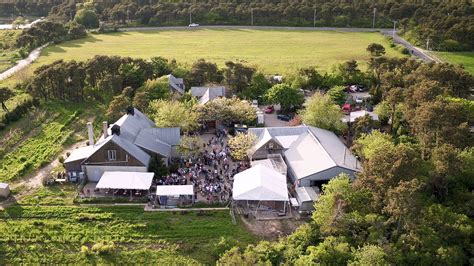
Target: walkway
<point>22,63</point>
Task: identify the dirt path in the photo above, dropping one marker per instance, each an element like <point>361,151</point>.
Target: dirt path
<point>272,229</point>
<point>22,63</point>
<point>31,183</point>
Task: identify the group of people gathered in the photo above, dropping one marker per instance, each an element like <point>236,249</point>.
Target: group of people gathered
<point>211,172</point>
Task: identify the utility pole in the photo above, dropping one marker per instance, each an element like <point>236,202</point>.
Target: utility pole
<point>394,29</point>
<point>190,18</point>
<point>128,16</point>
<point>373,19</point>
<point>251,16</point>
<point>314,19</point>
<point>428,44</point>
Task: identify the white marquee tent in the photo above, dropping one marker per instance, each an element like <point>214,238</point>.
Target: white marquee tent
<point>176,190</point>
<point>125,180</point>
<point>260,183</point>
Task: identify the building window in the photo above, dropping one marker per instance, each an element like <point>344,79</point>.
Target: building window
<point>112,155</point>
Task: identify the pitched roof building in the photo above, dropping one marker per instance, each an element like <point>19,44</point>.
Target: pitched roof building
<point>311,154</point>
<point>126,145</point>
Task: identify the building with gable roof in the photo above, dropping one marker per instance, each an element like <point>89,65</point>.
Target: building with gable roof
<point>126,145</point>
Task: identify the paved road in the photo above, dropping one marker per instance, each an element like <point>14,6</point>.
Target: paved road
<point>418,52</point>
<point>22,63</point>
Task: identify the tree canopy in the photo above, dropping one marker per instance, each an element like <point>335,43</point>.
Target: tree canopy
<point>321,111</point>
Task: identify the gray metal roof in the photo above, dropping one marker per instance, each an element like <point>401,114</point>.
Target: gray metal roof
<point>131,125</point>
<point>306,194</point>
<point>158,140</point>
<point>339,153</point>
<point>206,94</point>
<point>313,150</point>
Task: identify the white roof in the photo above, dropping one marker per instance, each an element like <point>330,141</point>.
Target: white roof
<point>174,190</point>
<point>3,185</point>
<point>306,156</point>
<point>125,180</point>
<point>306,194</point>
<point>260,183</point>
<point>286,141</point>
<point>354,115</point>
<point>81,153</point>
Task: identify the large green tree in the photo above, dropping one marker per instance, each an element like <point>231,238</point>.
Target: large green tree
<point>285,95</point>
<point>174,114</point>
<point>321,111</point>
<point>88,18</point>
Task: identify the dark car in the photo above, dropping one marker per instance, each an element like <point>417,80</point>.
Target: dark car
<point>284,117</point>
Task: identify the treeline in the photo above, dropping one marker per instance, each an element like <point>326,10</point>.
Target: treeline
<point>47,31</point>
<point>446,25</point>
<point>412,204</point>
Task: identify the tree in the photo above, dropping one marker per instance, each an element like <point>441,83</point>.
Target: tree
<point>367,145</point>
<point>350,73</point>
<point>19,21</point>
<point>190,146</point>
<point>203,72</point>
<point>338,94</point>
<point>160,66</point>
<point>364,125</point>
<point>320,111</point>
<point>238,76</point>
<point>152,89</point>
<point>157,166</point>
<point>241,144</point>
<point>117,107</point>
<point>5,95</point>
<point>87,17</point>
<point>228,111</point>
<point>76,30</point>
<point>284,95</point>
<point>369,255</point>
<point>332,251</point>
<point>174,114</point>
<point>376,49</point>
<point>257,88</point>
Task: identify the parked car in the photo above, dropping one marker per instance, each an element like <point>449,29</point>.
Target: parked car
<point>359,100</point>
<point>284,117</point>
<point>269,109</point>
<point>361,88</point>
<point>353,88</point>
<point>346,108</point>
<point>193,25</point>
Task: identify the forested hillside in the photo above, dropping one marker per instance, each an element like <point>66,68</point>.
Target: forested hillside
<point>445,25</point>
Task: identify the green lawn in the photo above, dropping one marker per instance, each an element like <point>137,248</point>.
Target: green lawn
<point>463,58</point>
<point>8,54</point>
<point>57,234</point>
<point>272,51</point>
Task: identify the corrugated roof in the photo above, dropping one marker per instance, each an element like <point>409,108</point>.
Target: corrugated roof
<point>339,153</point>
<point>135,151</point>
<point>130,125</point>
<point>81,153</point>
<point>206,94</point>
<point>306,194</point>
<point>306,156</point>
<point>147,141</point>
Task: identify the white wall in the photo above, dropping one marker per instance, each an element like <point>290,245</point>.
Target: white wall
<point>94,172</point>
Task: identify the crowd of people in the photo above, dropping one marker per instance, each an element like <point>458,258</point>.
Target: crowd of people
<point>211,172</point>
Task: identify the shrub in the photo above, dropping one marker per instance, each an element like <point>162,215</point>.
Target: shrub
<point>61,159</point>
<point>104,247</point>
<point>85,250</point>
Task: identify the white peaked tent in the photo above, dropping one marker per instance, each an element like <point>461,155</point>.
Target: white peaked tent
<point>260,183</point>
<point>125,180</point>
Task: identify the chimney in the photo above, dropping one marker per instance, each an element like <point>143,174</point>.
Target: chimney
<point>115,130</point>
<point>90,132</point>
<point>130,110</point>
<point>104,128</point>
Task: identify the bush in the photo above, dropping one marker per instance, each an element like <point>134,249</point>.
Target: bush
<point>451,45</point>
<point>103,247</point>
<point>85,250</point>
<point>61,159</point>
<point>224,244</point>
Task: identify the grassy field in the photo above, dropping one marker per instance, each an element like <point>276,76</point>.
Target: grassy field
<point>459,58</point>
<point>66,235</point>
<point>8,55</point>
<point>272,51</point>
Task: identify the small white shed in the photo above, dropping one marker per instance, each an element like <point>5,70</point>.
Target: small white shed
<point>4,190</point>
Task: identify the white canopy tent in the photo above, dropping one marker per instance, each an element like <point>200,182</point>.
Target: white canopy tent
<point>174,190</point>
<point>260,183</point>
<point>125,180</point>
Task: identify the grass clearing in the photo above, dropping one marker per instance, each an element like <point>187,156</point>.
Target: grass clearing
<point>272,51</point>
<point>33,141</point>
<point>458,58</point>
<point>8,54</point>
<point>56,234</point>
